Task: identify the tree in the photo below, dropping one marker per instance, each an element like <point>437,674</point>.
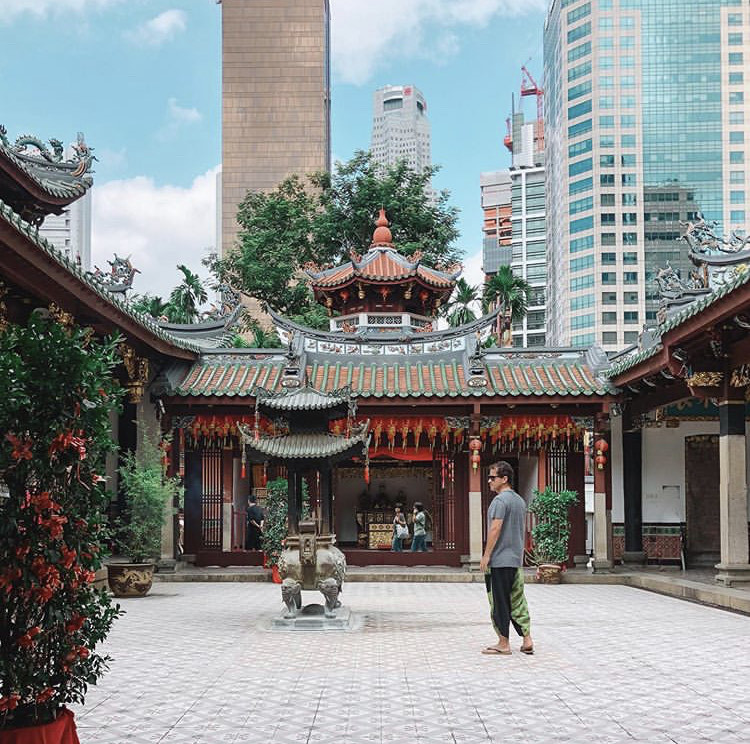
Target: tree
<point>459,309</point>
<point>186,297</point>
<point>149,305</point>
<point>321,221</point>
<point>510,293</point>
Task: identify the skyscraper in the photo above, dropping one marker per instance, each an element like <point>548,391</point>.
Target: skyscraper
<point>275,97</point>
<point>70,232</point>
<point>645,114</point>
<point>400,127</point>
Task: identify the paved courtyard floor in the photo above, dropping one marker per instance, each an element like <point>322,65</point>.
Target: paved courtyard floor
<point>194,662</point>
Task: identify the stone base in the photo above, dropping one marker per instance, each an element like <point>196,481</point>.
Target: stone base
<point>469,563</point>
<point>312,617</point>
<point>580,561</point>
<point>634,558</point>
<point>730,574</point>
<point>601,566</point>
<point>166,565</point>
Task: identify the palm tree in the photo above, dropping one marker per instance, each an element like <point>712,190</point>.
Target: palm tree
<point>459,310</point>
<point>186,297</point>
<point>511,294</point>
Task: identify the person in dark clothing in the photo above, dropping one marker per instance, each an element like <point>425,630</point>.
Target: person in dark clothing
<point>255,519</point>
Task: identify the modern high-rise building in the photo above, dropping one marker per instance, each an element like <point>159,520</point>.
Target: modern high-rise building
<point>400,127</point>
<point>275,97</point>
<point>70,231</point>
<point>645,116</point>
<point>513,202</point>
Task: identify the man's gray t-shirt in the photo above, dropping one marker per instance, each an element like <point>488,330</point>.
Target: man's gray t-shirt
<point>508,550</point>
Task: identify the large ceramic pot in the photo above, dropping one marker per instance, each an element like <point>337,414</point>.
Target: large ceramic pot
<point>60,731</point>
<point>130,579</point>
<point>549,573</point>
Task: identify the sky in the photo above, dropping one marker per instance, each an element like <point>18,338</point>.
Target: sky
<point>142,80</point>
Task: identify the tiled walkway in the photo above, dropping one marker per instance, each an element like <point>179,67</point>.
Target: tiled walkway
<point>193,663</point>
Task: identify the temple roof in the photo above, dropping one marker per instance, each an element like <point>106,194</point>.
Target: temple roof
<point>302,399</point>
<point>309,445</point>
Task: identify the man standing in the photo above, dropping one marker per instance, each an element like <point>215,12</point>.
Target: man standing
<point>502,561</point>
<point>255,518</point>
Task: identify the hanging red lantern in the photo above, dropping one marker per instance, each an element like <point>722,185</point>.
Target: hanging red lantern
<point>601,446</point>
<point>475,445</point>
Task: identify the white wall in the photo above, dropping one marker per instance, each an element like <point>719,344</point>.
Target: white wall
<point>528,479</point>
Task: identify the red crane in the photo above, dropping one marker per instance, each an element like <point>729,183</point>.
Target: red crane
<point>529,87</point>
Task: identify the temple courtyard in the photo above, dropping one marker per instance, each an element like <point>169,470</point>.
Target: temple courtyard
<point>197,662</point>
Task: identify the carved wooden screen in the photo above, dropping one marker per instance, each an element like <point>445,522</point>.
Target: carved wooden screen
<point>443,503</point>
<point>557,469</point>
<point>212,498</point>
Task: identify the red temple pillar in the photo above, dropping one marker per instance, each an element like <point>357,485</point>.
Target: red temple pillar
<point>603,554</point>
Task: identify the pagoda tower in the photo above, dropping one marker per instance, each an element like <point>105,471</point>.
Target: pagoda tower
<point>383,290</point>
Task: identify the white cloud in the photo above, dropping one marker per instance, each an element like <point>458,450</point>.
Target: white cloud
<point>177,117</point>
<point>41,8</point>
<point>160,29</point>
<point>473,269</point>
<point>159,226</point>
<point>364,32</point>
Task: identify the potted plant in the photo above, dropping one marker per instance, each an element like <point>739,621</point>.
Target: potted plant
<point>551,532</point>
<point>275,525</point>
<point>147,492</point>
<point>58,391</point>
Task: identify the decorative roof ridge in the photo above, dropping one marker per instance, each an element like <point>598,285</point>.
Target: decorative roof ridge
<point>32,233</point>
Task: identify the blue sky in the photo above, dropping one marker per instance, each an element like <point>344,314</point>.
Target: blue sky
<point>142,80</point>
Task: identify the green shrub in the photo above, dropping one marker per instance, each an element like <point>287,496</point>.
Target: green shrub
<point>552,531</point>
<point>275,527</point>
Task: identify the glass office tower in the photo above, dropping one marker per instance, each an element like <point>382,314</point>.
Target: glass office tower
<point>645,116</point>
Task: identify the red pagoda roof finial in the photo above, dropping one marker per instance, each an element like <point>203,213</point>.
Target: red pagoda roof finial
<point>382,235</point>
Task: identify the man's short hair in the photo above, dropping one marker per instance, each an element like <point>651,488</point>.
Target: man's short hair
<point>502,468</point>
<point>251,499</point>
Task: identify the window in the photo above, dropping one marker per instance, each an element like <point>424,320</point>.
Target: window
<point>736,78</point>
<point>582,244</point>
<point>608,238</point>
<point>627,81</point>
<point>579,148</point>
<point>579,264</point>
<point>737,215</point>
<point>581,205</point>
<point>606,122</point>
<point>606,102</point>
<point>606,42</point>
<point>609,338</point>
<point>630,277</point>
<point>607,179</point>
<point>629,218</point>
<point>735,58</point>
<point>629,179</point>
<point>609,258</point>
<point>581,282</point>
<point>629,258</point>
<point>607,218</point>
<point>627,121</point>
<point>579,71</point>
<point>582,302</point>
<point>576,91</point>
<point>736,117</point>
<point>582,321</point>
<point>630,316</point>
<point>579,51</point>
<point>629,200</point>
<point>736,138</point>
<point>607,200</point>
<point>736,197</point>
<point>627,22</point>
<point>629,101</point>
<point>631,337</point>
<point>630,238</point>
<point>736,156</point>
<point>584,223</point>
<point>627,140</point>
<point>734,19</point>
<point>606,23</point>
<point>607,161</point>
<point>578,187</point>
<point>609,277</point>
<point>536,273</point>
<point>735,39</point>
<point>580,167</point>
<point>609,318</point>
<point>630,298</point>
<point>627,42</point>
<point>606,140</point>
<point>627,60</point>
<point>609,298</point>
<point>579,109</point>
<point>606,81</point>
<point>737,176</point>
<point>585,339</point>
<point>580,12</point>
<point>581,128</point>
<point>580,31</point>
<point>736,96</point>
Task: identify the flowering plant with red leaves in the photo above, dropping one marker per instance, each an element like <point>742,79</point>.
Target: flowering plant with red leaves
<point>56,393</point>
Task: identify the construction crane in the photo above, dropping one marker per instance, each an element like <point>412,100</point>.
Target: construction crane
<point>529,87</point>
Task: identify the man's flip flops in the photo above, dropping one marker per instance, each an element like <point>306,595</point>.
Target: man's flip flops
<point>494,651</point>
<point>529,651</point>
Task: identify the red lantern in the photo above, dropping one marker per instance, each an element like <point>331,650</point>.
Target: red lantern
<point>601,446</point>
<point>475,445</point>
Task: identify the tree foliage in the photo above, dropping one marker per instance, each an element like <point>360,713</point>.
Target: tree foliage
<point>275,524</point>
<point>322,220</point>
<point>460,310</point>
<point>552,532</point>
<point>57,390</point>
<point>508,291</point>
